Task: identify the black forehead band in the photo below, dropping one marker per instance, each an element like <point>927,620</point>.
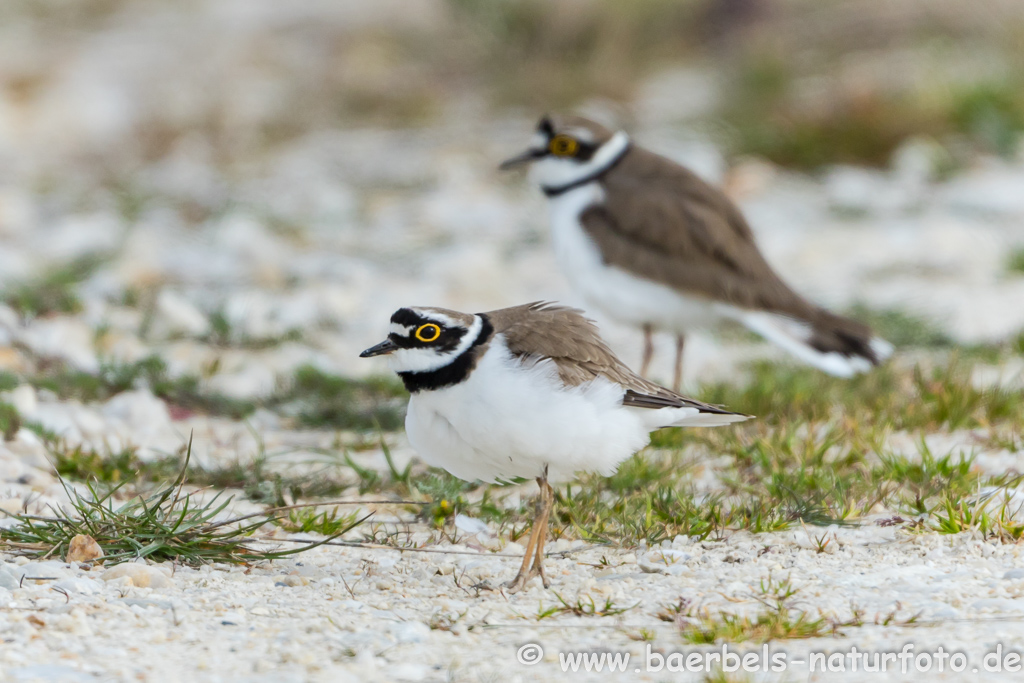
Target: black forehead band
<point>409,317</point>
<point>545,126</point>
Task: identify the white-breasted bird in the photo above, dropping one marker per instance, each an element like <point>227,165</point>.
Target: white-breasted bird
<point>528,391</point>
<point>652,245</point>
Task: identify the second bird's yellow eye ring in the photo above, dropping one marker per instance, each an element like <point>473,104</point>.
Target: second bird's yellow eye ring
<point>428,332</point>
<point>563,146</point>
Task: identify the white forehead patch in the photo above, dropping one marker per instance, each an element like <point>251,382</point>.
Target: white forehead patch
<point>401,330</point>
<point>438,318</point>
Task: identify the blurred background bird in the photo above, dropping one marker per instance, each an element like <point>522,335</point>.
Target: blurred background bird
<point>652,245</point>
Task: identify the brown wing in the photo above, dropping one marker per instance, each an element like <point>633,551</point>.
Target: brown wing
<point>662,221</point>
<point>545,330</point>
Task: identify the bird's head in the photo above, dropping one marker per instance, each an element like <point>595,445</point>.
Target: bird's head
<point>424,339</point>
<point>565,148</point>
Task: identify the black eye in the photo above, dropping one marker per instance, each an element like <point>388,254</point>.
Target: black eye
<point>428,332</point>
<point>563,146</point>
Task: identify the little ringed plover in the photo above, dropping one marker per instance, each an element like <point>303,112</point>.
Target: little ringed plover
<point>527,391</point>
<point>652,245</point>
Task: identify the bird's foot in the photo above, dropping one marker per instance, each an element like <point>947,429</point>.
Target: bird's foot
<point>522,578</point>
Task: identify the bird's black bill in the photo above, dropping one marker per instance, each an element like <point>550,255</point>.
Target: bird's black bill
<point>382,349</point>
<point>524,158</point>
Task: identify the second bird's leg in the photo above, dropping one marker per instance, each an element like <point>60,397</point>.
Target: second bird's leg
<point>645,363</point>
<point>546,502</point>
<point>677,376</point>
<point>533,558</point>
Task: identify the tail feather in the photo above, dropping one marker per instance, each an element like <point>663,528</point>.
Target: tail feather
<point>689,417</point>
<point>833,344</point>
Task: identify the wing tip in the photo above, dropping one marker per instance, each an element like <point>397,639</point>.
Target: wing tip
<point>673,400</point>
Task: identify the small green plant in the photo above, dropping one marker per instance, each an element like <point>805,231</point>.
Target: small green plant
<point>447,493</point>
<point>399,481</point>
<point>170,525</point>
<point>184,392</point>
<point>10,421</point>
<point>314,398</point>
<point>326,523</point>
<point>719,676</point>
<point>1015,262</point>
<point>922,397</point>
<point>262,484</point>
<point>53,291</point>
<point>8,380</point>
<point>223,333</point>
<point>777,620</point>
<point>583,606</point>
<point>953,516</point>
<point>919,481</point>
<point>321,400</point>
<point>643,635</point>
<point>83,464</point>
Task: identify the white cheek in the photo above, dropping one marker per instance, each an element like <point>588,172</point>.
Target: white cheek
<point>417,360</point>
<point>553,171</point>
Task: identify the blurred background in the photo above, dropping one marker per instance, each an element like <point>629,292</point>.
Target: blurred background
<point>224,200</point>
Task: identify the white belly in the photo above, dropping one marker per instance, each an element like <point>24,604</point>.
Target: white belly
<point>619,294</point>
<point>507,421</point>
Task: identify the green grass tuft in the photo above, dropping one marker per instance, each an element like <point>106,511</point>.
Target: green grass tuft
<point>320,400</point>
<point>224,334</point>
<point>53,291</point>
<point>326,523</point>
<point>1015,262</point>
<point>184,391</point>
<point>919,398</point>
<point>956,515</point>
<point>778,619</point>
<point>316,399</point>
<point>83,464</point>
<point>10,421</point>
<point>168,525</point>
<point>583,606</point>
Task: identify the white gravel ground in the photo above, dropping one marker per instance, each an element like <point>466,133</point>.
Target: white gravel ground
<point>338,614</point>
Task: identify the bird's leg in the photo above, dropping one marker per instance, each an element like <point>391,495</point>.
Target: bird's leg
<point>533,558</point>
<point>677,377</point>
<point>525,570</point>
<point>645,364</point>
<point>548,500</point>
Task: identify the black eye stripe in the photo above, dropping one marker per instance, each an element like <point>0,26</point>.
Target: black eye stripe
<point>447,339</point>
<point>584,150</point>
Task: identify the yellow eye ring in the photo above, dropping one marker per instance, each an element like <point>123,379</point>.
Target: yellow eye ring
<point>429,329</point>
<point>563,146</point>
